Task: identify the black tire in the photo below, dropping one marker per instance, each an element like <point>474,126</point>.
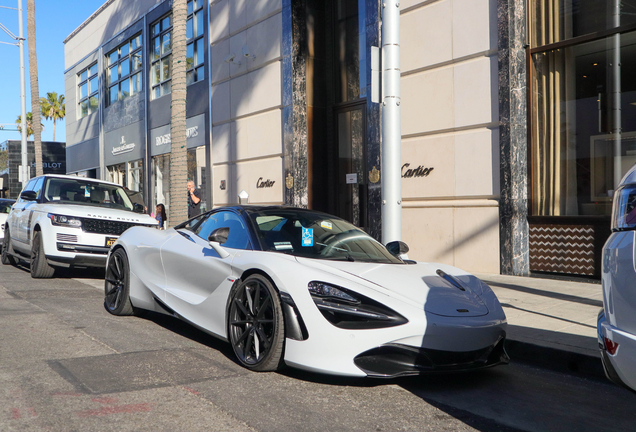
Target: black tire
<point>6,258</point>
<point>40,269</point>
<point>255,324</point>
<point>117,285</point>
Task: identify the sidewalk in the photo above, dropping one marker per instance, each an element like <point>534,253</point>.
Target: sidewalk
<point>551,323</point>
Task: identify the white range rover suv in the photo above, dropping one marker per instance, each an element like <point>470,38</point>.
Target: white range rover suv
<point>68,221</point>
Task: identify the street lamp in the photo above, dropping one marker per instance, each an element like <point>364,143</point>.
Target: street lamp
<point>24,169</point>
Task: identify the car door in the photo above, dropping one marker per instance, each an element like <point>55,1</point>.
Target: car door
<point>16,220</point>
<point>26,215</point>
<point>193,268</point>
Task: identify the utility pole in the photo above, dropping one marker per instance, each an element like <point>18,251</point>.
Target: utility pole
<point>391,127</point>
<point>25,166</point>
<point>24,173</point>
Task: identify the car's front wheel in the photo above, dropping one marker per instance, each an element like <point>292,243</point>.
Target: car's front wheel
<point>255,323</point>
<point>117,284</point>
<point>40,269</point>
<point>6,258</point>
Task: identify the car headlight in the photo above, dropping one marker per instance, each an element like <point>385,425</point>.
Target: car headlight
<point>65,221</point>
<point>348,310</point>
<point>624,208</point>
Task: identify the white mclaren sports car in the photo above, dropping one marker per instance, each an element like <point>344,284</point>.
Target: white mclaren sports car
<point>288,286</point>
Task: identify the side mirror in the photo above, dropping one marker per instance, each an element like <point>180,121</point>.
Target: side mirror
<point>138,208</point>
<point>397,248</point>
<point>29,195</point>
<point>219,235</point>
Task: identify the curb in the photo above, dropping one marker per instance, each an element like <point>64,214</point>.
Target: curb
<point>555,359</point>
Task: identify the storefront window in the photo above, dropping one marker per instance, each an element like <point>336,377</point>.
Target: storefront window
<point>160,182</point>
<point>117,174</point>
<point>197,172</point>
<point>584,125</point>
<point>350,49</point>
<point>558,20</point>
<point>136,176</point>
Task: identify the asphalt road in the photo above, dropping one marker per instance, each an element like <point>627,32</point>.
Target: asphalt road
<point>68,365</point>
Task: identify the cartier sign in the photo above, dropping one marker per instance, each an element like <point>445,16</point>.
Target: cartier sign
<point>420,171</point>
<point>260,183</point>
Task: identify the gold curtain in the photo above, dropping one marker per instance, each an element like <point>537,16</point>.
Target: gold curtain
<point>553,116</point>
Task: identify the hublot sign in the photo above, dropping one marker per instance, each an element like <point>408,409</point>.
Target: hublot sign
<point>420,171</point>
<point>264,184</point>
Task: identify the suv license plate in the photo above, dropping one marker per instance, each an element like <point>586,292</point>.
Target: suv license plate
<point>110,241</point>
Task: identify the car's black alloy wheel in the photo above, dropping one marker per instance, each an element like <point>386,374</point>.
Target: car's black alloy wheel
<point>255,324</point>
<point>117,284</point>
<point>40,269</point>
<point>6,258</point>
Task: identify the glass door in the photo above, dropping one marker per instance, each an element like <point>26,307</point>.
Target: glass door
<point>351,186</point>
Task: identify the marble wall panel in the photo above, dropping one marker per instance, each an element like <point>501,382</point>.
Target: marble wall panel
<point>267,172</point>
<point>426,36</point>
<point>477,163</point>
<point>476,239</point>
<point>474,26</point>
<point>436,152</point>
<point>475,92</point>
<point>427,101</point>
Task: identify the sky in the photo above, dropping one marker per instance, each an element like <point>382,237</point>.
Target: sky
<point>54,21</point>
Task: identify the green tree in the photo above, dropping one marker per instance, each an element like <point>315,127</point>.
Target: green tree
<point>29,124</point>
<point>4,159</point>
<point>178,154</point>
<point>35,89</point>
<point>53,108</point>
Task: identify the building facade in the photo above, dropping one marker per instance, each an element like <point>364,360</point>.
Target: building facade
<point>515,126</point>
<point>53,162</point>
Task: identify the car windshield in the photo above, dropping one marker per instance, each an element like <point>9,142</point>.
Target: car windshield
<point>72,191</point>
<point>317,235</point>
<point>5,206</point>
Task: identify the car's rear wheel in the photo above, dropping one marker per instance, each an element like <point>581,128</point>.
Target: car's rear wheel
<point>255,323</point>
<point>117,284</point>
<point>6,258</point>
<point>40,269</point>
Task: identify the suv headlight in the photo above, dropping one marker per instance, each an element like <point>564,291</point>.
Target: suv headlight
<point>624,208</point>
<point>348,310</point>
<point>65,221</point>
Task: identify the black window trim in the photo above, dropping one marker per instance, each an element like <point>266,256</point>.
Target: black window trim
<point>131,73</point>
<point>91,93</point>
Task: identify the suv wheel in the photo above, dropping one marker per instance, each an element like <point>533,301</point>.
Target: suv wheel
<point>6,257</point>
<point>40,269</point>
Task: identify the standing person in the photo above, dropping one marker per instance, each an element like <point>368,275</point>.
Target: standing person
<point>161,215</point>
<point>194,200</point>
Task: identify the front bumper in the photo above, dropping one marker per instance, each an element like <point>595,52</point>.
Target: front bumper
<point>619,367</point>
<point>395,360</point>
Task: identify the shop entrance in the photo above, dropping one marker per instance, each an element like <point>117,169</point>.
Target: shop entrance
<point>351,184</point>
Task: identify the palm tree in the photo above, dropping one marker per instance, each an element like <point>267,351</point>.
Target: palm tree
<point>178,155</point>
<point>35,91</point>
<point>29,124</point>
<point>53,108</point>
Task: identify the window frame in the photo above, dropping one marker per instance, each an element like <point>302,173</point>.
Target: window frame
<point>131,72</point>
<point>90,92</point>
<point>197,68</point>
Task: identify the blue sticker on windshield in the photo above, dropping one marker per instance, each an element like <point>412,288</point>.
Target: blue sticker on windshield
<point>308,236</point>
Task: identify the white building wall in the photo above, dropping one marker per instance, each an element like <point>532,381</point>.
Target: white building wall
<point>109,20</point>
<point>247,140</point>
<point>450,122</point>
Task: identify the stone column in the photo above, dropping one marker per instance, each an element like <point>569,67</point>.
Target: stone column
<point>513,138</point>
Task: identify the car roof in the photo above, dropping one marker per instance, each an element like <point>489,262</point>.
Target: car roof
<point>7,199</point>
<point>79,178</point>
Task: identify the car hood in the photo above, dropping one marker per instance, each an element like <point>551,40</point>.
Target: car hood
<point>95,212</point>
<point>416,283</point>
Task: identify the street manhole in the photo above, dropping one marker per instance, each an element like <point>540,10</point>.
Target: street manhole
<point>138,370</point>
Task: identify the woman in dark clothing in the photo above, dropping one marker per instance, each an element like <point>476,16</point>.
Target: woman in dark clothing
<point>161,215</point>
